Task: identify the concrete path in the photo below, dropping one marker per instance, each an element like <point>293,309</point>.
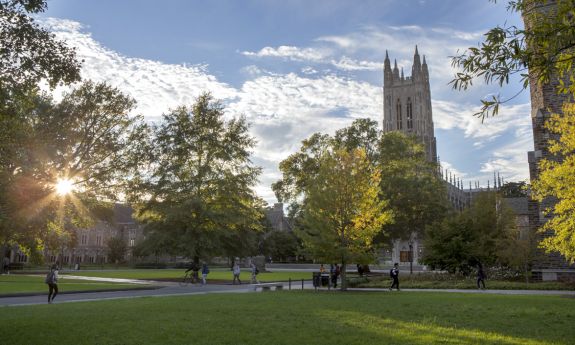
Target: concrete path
<point>173,289</point>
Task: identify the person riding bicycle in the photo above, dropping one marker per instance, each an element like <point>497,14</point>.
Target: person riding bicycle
<point>195,269</point>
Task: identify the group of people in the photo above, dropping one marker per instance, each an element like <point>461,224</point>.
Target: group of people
<point>236,270</point>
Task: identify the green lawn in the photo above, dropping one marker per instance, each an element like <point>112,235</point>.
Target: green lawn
<point>16,283</point>
<point>444,281</point>
<point>298,318</point>
<point>215,274</point>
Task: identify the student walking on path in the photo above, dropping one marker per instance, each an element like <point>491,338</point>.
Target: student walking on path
<point>480,277</point>
<point>394,274</point>
<point>255,273</point>
<point>236,271</point>
<point>335,275</point>
<point>52,281</point>
<point>205,271</point>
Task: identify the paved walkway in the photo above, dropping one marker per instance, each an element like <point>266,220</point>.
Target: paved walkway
<point>173,289</point>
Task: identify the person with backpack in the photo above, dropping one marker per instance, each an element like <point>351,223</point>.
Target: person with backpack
<point>394,274</point>
<point>255,273</point>
<point>205,271</point>
<point>52,281</point>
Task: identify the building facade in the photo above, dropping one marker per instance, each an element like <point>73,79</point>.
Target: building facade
<point>89,246</point>
<point>407,103</point>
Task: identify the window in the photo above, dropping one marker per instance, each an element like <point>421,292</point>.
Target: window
<point>132,242</point>
<point>409,114</point>
<point>84,239</point>
<point>399,118</point>
<point>98,240</point>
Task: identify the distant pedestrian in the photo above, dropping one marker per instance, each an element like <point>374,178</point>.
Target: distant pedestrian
<point>394,274</point>
<point>236,271</point>
<point>52,281</point>
<point>360,270</point>
<point>6,265</point>
<point>255,273</point>
<point>205,272</point>
<point>335,275</point>
<point>321,269</point>
<point>480,277</point>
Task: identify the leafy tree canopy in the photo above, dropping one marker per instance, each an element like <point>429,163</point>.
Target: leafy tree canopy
<point>28,52</point>
<point>198,188</point>
<point>544,47</point>
<point>557,181</point>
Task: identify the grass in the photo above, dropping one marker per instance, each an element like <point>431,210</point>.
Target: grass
<point>16,283</point>
<point>298,318</point>
<point>215,274</point>
<point>445,281</point>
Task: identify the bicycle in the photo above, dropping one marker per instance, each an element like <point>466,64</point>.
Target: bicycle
<point>189,278</point>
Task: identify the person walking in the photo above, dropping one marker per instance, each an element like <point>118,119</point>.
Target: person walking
<point>52,281</point>
<point>205,271</point>
<point>480,277</point>
<point>255,273</point>
<point>394,274</point>
<point>236,271</point>
<point>336,272</point>
<point>6,265</point>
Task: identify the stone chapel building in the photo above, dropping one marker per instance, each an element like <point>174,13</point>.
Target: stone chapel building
<point>407,108</point>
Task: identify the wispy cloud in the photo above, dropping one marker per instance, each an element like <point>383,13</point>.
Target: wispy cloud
<point>286,107</point>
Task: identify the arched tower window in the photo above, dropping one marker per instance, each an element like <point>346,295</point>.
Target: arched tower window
<point>399,118</point>
<point>409,114</point>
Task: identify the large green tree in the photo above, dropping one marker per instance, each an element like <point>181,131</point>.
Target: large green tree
<point>342,211</point>
<point>481,234</point>
<point>415,191</point>
<point>557,181</point>
<point>198,188</point>
<point>89,139</point>
<point>29,54</point>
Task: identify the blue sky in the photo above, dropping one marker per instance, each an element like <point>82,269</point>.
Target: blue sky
<point>296,67</point>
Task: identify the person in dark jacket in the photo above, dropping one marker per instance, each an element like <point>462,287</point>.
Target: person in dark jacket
<point>480,277</point>
<point>394,274</point>
<point>52,281</point>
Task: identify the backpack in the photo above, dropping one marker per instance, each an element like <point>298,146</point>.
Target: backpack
<point>257,271</point>
<point>391,273</point>
<point>49,278</point>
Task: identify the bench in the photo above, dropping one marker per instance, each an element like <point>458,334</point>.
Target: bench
<point>268,286</point>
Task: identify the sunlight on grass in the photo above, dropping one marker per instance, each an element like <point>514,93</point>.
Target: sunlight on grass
<point>427,332</point>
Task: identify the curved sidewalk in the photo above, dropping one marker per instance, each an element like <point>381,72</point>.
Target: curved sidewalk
<point>175,290</point>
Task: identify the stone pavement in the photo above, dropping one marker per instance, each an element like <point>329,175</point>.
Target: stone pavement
<point>173,289</point>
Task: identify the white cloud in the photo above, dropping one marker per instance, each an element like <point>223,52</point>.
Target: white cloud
<point>283,109</point>
<point>156,86</point>
<point>290,52</point>
<point>449,115</point>
<point>286,108</point>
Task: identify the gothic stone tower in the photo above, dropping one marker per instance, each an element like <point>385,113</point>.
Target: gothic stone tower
<point>407,103</point>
